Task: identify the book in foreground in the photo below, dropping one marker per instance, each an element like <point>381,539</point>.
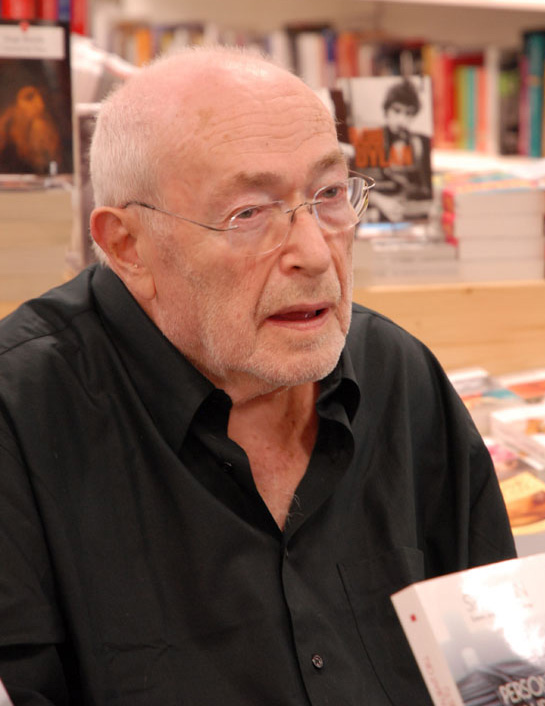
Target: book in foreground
<point>478,635</point>
<point>4,698</point>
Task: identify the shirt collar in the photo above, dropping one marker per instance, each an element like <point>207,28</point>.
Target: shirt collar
<point>170,387</point>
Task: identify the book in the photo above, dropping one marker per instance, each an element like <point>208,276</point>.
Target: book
<point>80,253</point>
<point>390,130</point>
<point>516,225</point>
<point>500,247</point>
<point>492,193</point>
<point>508,82</point>
<point>35,99</point>
<point>528,385</point>
<point>522,482</point>
<point>482,403</point>
<point>522,427</point>
<point>19,10</point>
<point>534,51</point>
<point>478,635</point>
<point>397,258</point>
<point>4,697</point>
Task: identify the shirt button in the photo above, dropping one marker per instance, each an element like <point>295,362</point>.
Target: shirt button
<point>317,661</point>
<point>227,466</point>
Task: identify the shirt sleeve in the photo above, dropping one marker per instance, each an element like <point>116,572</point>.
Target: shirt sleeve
<point>31,629</point>
<point>490,537</point>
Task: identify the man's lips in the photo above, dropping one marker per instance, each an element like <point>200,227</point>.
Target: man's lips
<point>306,313</point>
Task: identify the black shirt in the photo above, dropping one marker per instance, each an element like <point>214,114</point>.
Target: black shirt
<point>139,565</point>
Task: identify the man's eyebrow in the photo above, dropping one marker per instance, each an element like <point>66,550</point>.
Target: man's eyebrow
<point>248,180</point>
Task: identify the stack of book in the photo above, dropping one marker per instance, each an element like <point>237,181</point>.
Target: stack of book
<point>482,394</point>
<point>402,254</point>
<point>495,220</point>
<point>521,427</point>
<point>522,483</point>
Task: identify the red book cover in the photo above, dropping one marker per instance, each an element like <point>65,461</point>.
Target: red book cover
<point>79,20</point>
<point>347,54</point>
<point>18,9</point>
<point>47,10</point>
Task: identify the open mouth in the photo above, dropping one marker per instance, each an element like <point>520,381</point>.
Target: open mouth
<point>304,315</point>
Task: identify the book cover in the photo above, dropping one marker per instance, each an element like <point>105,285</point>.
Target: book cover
<point>529,385</point>
<point>4,698</point>
<point>522,427</point>
<point>478,635</point>
<point>19,9</point>
<point>391,126</point>
<point>522,482</point>
<point>35,99</point>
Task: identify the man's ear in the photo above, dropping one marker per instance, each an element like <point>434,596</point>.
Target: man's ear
<point>117,236</point>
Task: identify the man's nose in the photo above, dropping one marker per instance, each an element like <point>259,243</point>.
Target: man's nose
<point>307,246</point>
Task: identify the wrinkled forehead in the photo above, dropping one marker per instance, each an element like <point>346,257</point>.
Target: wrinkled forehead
<point>208,119</point>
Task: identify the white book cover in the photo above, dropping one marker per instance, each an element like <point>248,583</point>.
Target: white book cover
<point>4,698</point>
<point>516,225</point>
<point>478,635</point>
<point>503,248</point>
<point>390,129</point>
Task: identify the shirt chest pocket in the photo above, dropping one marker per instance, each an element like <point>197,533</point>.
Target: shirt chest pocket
<point>369,585</point>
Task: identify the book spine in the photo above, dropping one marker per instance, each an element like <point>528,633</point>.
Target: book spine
<point>535,53</point>
<point>485,140</point>
<point>426,650</point>
<point>523,133</point>
<point>19,9</point>
<point>461,106</point>
<point>470,88</point>
<point>48,10</point>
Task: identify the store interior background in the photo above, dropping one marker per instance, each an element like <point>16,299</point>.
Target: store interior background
<point>501,326</point>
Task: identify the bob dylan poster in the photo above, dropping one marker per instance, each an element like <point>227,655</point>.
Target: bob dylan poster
<point>35,99</point>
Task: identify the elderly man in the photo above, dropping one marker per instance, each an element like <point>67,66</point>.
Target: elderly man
<point>214,469</point>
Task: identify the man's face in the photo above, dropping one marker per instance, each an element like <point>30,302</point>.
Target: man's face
<point>399,117</point>
<point>254,324</point>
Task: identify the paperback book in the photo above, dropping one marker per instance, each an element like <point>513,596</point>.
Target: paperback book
<point>35,99</point>
<point>491,193</point>
<point>4,698</point>
<point>478,635</point>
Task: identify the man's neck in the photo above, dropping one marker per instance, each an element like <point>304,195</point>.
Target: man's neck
<point>277,431</point>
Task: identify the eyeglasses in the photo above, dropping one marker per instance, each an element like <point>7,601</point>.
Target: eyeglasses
<point>259,229</point>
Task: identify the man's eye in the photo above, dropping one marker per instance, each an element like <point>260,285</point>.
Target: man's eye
<point>335,192</point>
<point>248,213</point>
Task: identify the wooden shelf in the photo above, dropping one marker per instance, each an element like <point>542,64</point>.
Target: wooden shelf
<point>499,326</point>
<point>534,5</point>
